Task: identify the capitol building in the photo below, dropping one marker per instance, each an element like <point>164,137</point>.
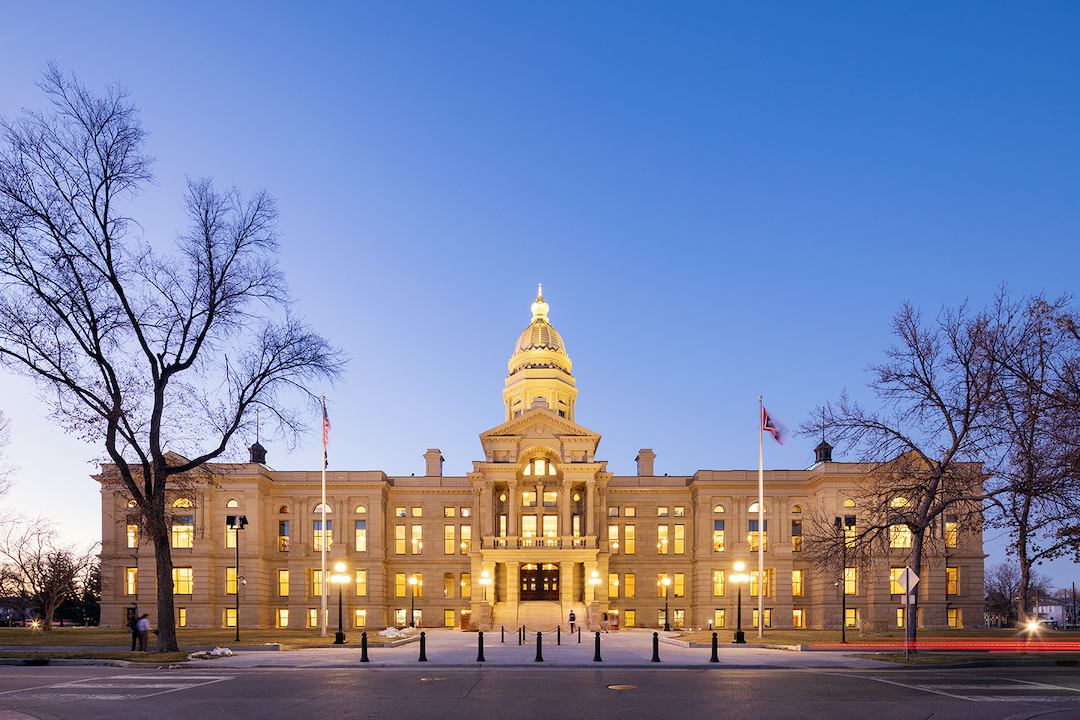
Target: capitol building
<point>538,528</point>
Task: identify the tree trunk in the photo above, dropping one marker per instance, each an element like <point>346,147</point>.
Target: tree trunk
<point>911,623</point>
<point>166,617</point>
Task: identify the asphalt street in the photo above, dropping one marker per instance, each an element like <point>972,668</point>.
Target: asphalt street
<point>84,692</point>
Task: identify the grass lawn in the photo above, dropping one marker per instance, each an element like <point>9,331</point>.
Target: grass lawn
<point>185,637</point>
<point>832,637</point>
<point>143,657</point>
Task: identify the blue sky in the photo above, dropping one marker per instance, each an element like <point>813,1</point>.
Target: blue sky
<point>722,200</point>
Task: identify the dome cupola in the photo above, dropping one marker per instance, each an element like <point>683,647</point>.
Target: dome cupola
<point>539,368</point>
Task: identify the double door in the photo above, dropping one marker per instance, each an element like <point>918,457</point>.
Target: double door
<point>539,581</point>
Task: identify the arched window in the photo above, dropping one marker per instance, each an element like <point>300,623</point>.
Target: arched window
<point>322,509</point>
<point>718,509</point>
<point>360,509</point>
<point>232,504</point>
<point>540,466</point>
<point>796,509</point>
<point>284,509</point>
<point>183,503</point>
<point>849,503</point>
<point>754,508</point>
<point>131,503</point>
<point>899,502</point>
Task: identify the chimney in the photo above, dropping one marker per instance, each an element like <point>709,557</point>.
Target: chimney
<point>434,460</point>
<point>645,459</point>
<point>257,453</point>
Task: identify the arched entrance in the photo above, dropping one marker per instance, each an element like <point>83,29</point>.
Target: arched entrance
<point>539,581</point>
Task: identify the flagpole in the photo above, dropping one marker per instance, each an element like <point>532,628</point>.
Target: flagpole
<point>761,522</point>
<point>322,523</point>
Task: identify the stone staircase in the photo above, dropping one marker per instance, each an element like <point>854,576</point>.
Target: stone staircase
<point>541,615</point>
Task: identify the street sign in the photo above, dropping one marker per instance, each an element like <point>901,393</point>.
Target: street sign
<point>907,580</point>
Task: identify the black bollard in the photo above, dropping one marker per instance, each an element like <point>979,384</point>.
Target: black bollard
<point>596,655</point>
<point>423,647</point>
<point>558,634</point>
<point>521,633</point>
<point>656,647</point>
<point>539,647</point>
<point>579,635</point>
<point>715,657</point>
<point>480,642</point>
<point>363,647</point>
<point>503,633</point>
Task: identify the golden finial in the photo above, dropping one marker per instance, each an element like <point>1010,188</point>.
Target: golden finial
<point>539,308</point>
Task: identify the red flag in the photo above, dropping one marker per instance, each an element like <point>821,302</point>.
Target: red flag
<point>771,425</point>
<point>325,431</point>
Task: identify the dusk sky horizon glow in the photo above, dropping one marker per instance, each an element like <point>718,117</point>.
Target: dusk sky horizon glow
<point>722,200</point>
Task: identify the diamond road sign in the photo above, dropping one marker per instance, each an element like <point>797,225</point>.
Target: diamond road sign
<point>907,580</point>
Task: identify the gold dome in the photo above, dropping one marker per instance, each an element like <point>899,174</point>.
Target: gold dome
<point>539,336</point>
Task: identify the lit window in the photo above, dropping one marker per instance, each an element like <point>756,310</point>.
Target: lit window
<point>662,511</point>
<point>230,581</point>
<point>283,510</point>
<point>359,618</point>
<point>399,539</point>
<point>319,536</point>
<point>754,508</point>
<point>551,499</point>
<point>322,509</point>
<point>466,585</point>
<point>528,499</point>
<point>629,580</point>
<point>679,585</point>
<point>316,583</point>
<point>399,512</point>
<point>849,503</point>
<point>449,618</point>
<point>132,537</point>
<point>283,535</point>
<point>448,585</point>
<point>894,581</point>
<point>183,531</point>
<point>850,581</point>
<point>851,617</point>
<point>230,617</point>
<point>796,535</point>
<point>896,502</point>
<point>399,618</point>
<point>754,583</point>
<point>360,510</point>
<point>131,581</point>
<point>678,618</point>
<point>899,536</point>
<point>361,536</point>
<point>528,526</point>
<point>680,511</point>
<point>417,539</point>
<point>230,537</point>
<point>718,583</point>
<point>183,503</point>
<point>851,531</point>
<point>232,504</point>
<point>752,536</point>
<point>718,619</point>
<point>183,580</point>
<point>131,503</point>
<point>718,509</point>
<point>630,618</point>
<point>952,580</point>
<point>629,512</point>
<point>954,618</point>
<point>449,543</point>
<point>466,512</point>
<point>661,588</point>
<point>283,583</point>
<point>629,539</point>
<point>399,585</point>
<point>796,583</point>
<point>181,617</point>
<point>798,618</point>
<point>283,617</point>
<point>680,539</point>
<point>613,585</point>
<point>768,618</point>
<point>662,539</point>
<point>613,512</point>
<point>951,531</point>
<point>796,509</point>
<point>418,586</point>
<point>718,536</point>
<point>361,583</point>
<point>313,617</point>
<point>900,617</point>
<point>466,539</point>
<point>613,538</point>
<point>418,512</point>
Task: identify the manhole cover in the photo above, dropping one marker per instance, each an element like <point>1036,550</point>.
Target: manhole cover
<point>430,679</point>
<point>622,687</point>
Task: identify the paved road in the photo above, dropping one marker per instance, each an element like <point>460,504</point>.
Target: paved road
<point>81,693</point>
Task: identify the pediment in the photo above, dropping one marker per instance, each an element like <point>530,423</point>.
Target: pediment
<point>540,427</point>
<point>539,423</point>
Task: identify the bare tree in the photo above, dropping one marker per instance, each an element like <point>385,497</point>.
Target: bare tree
<point>1002,587</point>
<point>1037,498</point>
<point>6,470</point>
<point>160,357</point>
<point>924,447</point>
<point>39,572</point>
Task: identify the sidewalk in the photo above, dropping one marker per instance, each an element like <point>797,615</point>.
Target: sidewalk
<point>447,648</point>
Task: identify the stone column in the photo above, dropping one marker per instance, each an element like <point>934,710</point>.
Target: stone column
<point>489,520</point>
<point>565,530</point>
<point>590,509</point>
<point>540,510</point>
<point>512,529</point>
<point>566,586</point>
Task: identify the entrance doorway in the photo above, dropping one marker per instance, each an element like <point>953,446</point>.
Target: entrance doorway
<point>539,581</point>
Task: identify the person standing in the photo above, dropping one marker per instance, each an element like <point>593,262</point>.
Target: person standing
<point>573,618</point>
<point>143,627</point>
<point>133,624</point>
<point>604,624</point>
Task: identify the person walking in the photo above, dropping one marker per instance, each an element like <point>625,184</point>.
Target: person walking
<point>143,627</point>
<point>133,624</point>
<point>604,624</point>
<point>573,619</point>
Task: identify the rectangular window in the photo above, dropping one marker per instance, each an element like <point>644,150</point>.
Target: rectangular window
<point>283,617</point>
<point>313,617</point>
<point>131,581</point>
<point>319,536</point>
<point>796,583</point>
<point>399,539</point>
<point>418,512</point>
<point>181,617</point>
<point>418,586</point>
<point>630,618</point>
<point>613,537</point>
<point>449,617</point>
<point>894,581</point>
<point>680,511</point>
<point>183,531</point>
<point>629,512</point>
<point>528,526</point>
<point>466,539</point>
<point>551,499</point>
<point>449,542</point>
<point>528,499</point>
<point>448,585</point>
<point>613,585</point>
<point>399,512</point>
<point>900,617</point>
<point>851,532</point>
<point>466,512</point>
<point>678,618</point>
<point>662,539</point>
<point>551,526</point>
<point>662,511</point>
<point>449,512</point>
<point>680,585</point>
<point>360,618</point>
<point>230,537</point>
<point>400,584</point>
<point>361,583</point>
<point>952,580</point>
<point>850,581</point>
<point>417,539</point>
<point>230,617</point>
<point>680,539</point>
<point>951,531</point>
<point>283,536</point>
<point>316,583</point>
<point>361,536</point>
<point>851,617</point>
<point>502,525</point>
<point>954,618</point>
<point>899,536</point>
<point>399,618</point>
<point>718,583</point>
<point>661,617</point>
<point>613,512</point>
<point>183,580</point>
<point>629,536</point>
<point>719,620</point>
<point>768,618</point>
<point>796,535</point>
<point>718,536</point>
<point>575,522</point>
<point>798,618</point>
<point>661,588</point>
<point>132,537</point>
<point>752,536</point>
<point>628,585</point>
<point>230,581</point>
<point>466,585</point>
<point>283,583</point>
<point>754,583</point>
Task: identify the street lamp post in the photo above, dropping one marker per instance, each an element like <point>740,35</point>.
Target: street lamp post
<point>485,580</point>
<point>739,577</point>
<point>664,582</point>
<point>413,583</point>
<point>339,579</point>
<point>236,523</point>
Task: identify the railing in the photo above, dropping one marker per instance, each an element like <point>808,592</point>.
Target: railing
<point>509,543</point>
